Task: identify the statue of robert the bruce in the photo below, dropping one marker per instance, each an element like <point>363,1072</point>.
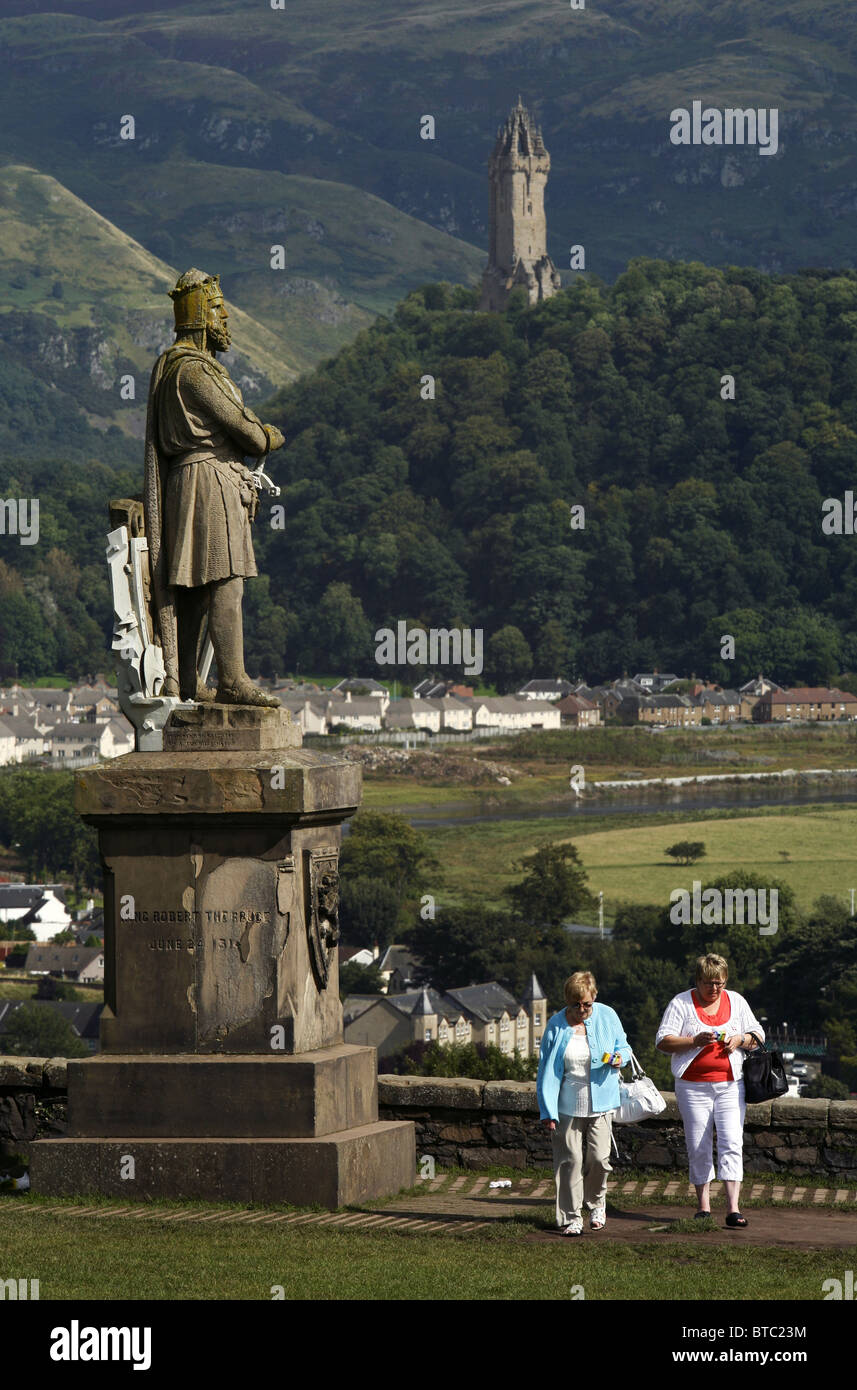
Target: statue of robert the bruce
<point>199,498</point>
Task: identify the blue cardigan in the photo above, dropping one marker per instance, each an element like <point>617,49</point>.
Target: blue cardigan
<point>603,1032</point>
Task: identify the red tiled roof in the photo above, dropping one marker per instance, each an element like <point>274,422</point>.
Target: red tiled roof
<point>573,704</point>
<point>809,695</point>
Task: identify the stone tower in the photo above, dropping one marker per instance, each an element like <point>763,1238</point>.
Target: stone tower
<point>518,171</point>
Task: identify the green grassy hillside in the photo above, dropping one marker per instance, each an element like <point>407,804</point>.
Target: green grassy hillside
<point>83,305</point>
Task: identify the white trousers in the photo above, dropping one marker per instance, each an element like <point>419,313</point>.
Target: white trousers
<point>705,1106</point>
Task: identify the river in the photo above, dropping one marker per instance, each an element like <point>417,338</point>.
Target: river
<point>650,802</point>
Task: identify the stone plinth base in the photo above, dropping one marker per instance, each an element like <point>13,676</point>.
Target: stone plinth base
<point>229,728</point>
<point>355,1165</point>
<point>221,898</point>
<point>210,1097</point>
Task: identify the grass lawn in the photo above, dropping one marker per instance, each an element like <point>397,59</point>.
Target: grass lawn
<point>113,1259</point>
<point>625,856</point>
<point>812,853</point>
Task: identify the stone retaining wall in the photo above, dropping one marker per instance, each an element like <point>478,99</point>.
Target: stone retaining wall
<point>478,1124</point>
<point>33,1105</point>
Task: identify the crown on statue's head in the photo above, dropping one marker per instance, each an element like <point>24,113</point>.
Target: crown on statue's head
<point>194,293</point>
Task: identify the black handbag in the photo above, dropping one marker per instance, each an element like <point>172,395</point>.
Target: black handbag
<point>764,1074</point>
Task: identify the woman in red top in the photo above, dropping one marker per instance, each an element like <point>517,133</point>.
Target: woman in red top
<point>707,1030</point>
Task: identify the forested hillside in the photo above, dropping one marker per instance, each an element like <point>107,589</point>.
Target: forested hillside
<point>702,514</point>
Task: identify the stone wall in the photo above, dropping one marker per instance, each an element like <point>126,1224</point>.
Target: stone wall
<point>32,1106</point>
<point>478,1124</point>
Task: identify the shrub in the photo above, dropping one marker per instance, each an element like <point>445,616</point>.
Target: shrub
<point>481,1061</point>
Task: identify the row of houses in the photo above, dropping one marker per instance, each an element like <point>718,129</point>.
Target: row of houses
<point>760,700</point>
<point>484,1013</point>
<point>82,724</point>
<point>325,713</point>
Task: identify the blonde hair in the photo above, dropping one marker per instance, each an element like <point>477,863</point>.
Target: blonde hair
<point>710,966</point>
<point>578,984</point>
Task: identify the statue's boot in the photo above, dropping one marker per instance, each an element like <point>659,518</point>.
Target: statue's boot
<point>245,693</point>
<point>227,635</point>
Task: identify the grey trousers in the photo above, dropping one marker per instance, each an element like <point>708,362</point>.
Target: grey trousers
<point>581,1162</point>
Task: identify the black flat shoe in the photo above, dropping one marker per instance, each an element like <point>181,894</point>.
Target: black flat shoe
<point>698,1214</point>
<point>736,1219</point>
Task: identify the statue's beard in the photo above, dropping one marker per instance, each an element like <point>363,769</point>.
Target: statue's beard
<point>219,339</point>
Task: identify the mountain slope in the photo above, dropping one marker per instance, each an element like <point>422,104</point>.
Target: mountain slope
<point>337,92</point>
<point>84,304</point>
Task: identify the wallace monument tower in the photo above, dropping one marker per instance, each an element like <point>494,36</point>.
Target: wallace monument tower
<point>222,1074</point>
<point>518,171</point>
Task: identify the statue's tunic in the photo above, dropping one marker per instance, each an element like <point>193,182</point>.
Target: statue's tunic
<point>203,431</point>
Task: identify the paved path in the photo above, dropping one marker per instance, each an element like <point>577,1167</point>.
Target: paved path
<point>804,1216</point>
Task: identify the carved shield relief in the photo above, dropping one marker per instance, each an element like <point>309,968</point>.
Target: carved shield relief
<point>323,915</point>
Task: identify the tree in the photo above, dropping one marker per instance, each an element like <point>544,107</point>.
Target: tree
<point>36,1030</point>
<point>359,979</point>
<point>688,851</point>
<point>826,1087</point>
<point>368,910</point>
<point>552,649</point>
<point>387,848</point>
<point>464,946</point>
<point>553,887</point>
<point>341,634</point>
<point>509,659</point>
<point>482,1061</point>
<point>51,988</point>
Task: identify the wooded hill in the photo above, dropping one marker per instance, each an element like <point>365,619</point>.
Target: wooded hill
<point>703,515</point>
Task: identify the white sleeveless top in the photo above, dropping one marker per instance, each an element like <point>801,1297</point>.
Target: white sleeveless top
<point>574,1091</point>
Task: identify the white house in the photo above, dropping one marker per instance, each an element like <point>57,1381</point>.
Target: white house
<point>27,741</point>
<point>7,744</point>
<point>507,712</point>
<point>545,690</point>
<point>361,714</point>
<point>456,712</point>
<point>310,713</point>
<point>34,905</point>
<point>115,738</point>
<point>84,963</point>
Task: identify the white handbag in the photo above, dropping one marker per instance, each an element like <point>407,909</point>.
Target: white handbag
<point>638,1098</point>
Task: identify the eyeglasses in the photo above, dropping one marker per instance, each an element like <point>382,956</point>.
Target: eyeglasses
<point>582,1004</point>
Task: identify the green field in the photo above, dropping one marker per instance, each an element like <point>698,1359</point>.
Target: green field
<point>812,852</point>
<point>624,856</point>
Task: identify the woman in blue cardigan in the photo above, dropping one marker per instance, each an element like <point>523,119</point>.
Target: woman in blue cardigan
<point>578,1091</point>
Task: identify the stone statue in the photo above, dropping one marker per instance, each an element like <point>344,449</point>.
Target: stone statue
<point>199,499</point>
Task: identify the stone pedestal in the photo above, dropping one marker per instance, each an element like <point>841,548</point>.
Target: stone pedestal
<point>223,1072</point>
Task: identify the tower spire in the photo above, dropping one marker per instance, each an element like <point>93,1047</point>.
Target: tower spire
<point>518,171</point>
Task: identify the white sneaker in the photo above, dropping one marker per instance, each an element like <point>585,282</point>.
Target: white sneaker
<point>598,1218</point>
<point>574,1227</point>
